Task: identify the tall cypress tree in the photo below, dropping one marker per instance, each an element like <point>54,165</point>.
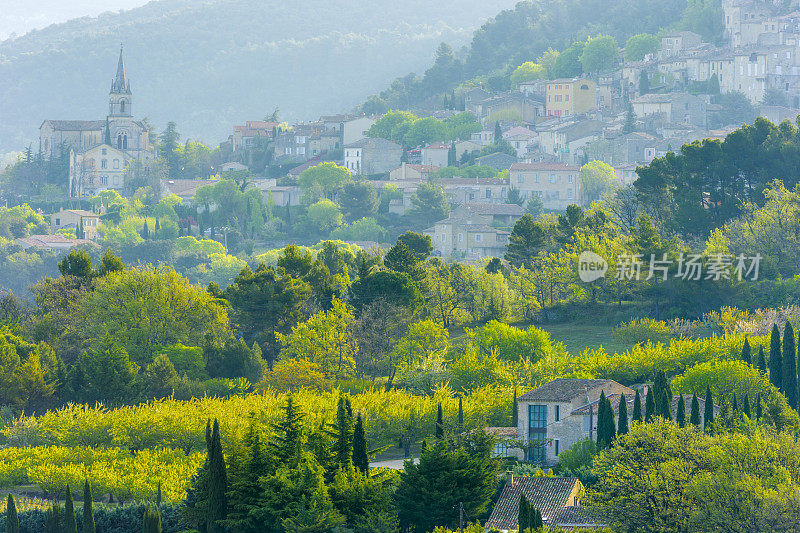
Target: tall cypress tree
<point>622,414</point>
<point>747,355</point>
<point>461,414</point>
<point>523,519</point>
<point>602,437</point>
<point>70,526</point>
<point>649,405</point>
<point>789,367</point>
<point>637,407</point>
<point>611,426</point>
<point>514,409</point>
<point>52,520</point>
<point>762,362</point>
<point>536,523</point>
<point>439,423</point>
<point>151,521</point>
<point>759,413</point>
<point>708,415</point>
<point>217,503</point>
<point>695,416</point>
<point>343,434</point>
<point>734,404</point>
<point>680,414</point>
<point>775,362</point>
<point>12,518</point>
<point>746,406</point>
<point>498,132</point>
<point>665,408</point>
<point>360,457</point>
<point>88,511</point>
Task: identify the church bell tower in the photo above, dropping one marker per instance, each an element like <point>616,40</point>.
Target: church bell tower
<point>119,98</point>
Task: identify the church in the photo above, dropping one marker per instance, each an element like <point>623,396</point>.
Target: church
<point>100,150</point>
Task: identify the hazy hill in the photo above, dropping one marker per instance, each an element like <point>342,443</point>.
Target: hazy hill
<point>208,64</point>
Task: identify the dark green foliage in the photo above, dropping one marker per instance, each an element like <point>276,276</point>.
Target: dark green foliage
<point>708,415</point>
<point>88,511</point>
<point>622,416</point>
<point>70,526</point>
<point>77,263</point>
<point>734,404</point>
<point>197,491</point>
<point>775,361</point>
<point>53,522</point>
<point>498,132</point>
<point>747,355</point>
<point>287,440</point>
<point>644,82</point>
<point>606,428</point>
<point>439,423</point>
<point>217,503</point>
<point>245,496</point>
<point>665,407</point>
<point>536,520</point>
<point>694,419</point>
<point>343,434</point>
<point>360,456</point>
<point>759,411</point>
<point>637,408</point>
<point>419,244</point>
<point>526,240</point>
<point>680,415</point>
<point>746,406</point>
<point>523,518</point>
<point>713,84</point>
<point>762,362</point>
<point>111,519</point>
<point>789,360</point>
<point>151,521</point>
<point>12,519</point>
<point>649,406</point>
<point>461,412</point>
<point>451,471</point>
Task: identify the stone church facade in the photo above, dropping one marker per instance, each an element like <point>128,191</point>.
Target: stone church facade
<point>100,150</point>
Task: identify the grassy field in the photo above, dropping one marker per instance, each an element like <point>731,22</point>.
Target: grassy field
<point>578,337</point>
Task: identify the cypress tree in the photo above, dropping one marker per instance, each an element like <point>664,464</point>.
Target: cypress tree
<point>649,405</point>
<point>789,367</point>
<point>461,414</point>
<point>288,433</point>
<point>695,416</point>
<point>611,426</point>
<point>156,230</point>
<point>746,406</point>
<point>12,518</point>
<point>52,520</point>
<point>762,362</point>
<point>498,132</point>
<point>775,363</point>
<point>151,521</point>
<point>360,457</point>
<point>708,415</point>
<point>680,415</point>
<point>602,437</point>
<point>759,413</point>
<point>514,410</point>
<point>439,423</point>
<point>734,404</point>
<point>145,231</point>
<point>637,407</point>
<point>622,423</point>
<point>70,526</point>
<point>217,503</point>
<point>247,493</point>
<point>665,408</point>
<point>536,523</point>
<point>343,434</point>
<point>523,519</point>
<point>747,356</point>
<point>88,511</point>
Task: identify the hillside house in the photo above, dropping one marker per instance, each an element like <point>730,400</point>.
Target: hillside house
<point>565,97</point>
<point>371,156</point>
<point>556,184</point>
<point>417,173</point>
<point>72,218</point>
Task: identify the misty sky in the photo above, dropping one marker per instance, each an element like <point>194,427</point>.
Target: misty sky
<point>21,16</point>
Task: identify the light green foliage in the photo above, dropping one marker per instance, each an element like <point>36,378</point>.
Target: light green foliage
<point>510,343</point>
<point>322,181</point>
<point>205,246</point>
<point>407,130</point>
<point>639,45</point>
<point>640,330</point>
<point>365,229</point>
<point>597,178</point>
<point>704,17</point>
<point>423,340</point>
<point>325,214</point>
<point>528,71</point>
<point>21,221</point>
<point>600,53</point>
<point>470,171</point>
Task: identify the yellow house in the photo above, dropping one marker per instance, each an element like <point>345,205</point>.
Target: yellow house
<point>71,218</point>
<point>570,97</point>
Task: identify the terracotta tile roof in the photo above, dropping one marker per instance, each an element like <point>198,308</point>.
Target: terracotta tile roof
<point>77,125</point>
<point>502,431</point>
<point>548,494</point>
<point>545,167</point>
<point>563,389</point>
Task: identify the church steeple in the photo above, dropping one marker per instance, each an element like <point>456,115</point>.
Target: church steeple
<point>120,85</point>
<point>119,98</point>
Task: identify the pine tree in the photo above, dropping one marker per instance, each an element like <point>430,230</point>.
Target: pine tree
<point>151,521</point>
<point>514,410</point>
<point>775,362</point>
<point>88,510</point>
<point>70,526</point>
<point>762,362</point>
<point>695,416</point>
<point>360,457</point>
<point>708,417</point>
<point>789,355</point>
<point>343,434</point>
<point>622,423</point>
<point>247,492</point>
<point>523,519</point>
<point>680,415</point>
<point>461,414</point>
<point>439,423</point>
<point>637,407</point>
<point>217,503</point>
<point>288,435</point>
<point>746,406</point>
<point>12,518</point>
<point>747,356</point>
<point>649,405</point>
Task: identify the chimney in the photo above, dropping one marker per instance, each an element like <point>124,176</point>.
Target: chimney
<point>509,478</point>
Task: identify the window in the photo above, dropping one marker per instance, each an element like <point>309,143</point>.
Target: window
<point>116,163</point>
<point>536,178</point>
<point>105,151</point>
<point>460,237</point>
<point>478,237</point>
<point>58,222</point>
<point>104,163</point>
<point>103,181</point>
<point>557,446</point>
<point>444,237</point>
<point>537,431</point>
<point>558,413</point>
<point>122,106</point>
<point>553,178</point>
<point>488,193</point>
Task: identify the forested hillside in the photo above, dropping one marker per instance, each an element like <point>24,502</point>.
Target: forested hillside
<point>209,64</point>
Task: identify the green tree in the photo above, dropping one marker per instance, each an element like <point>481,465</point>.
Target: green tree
<point>418,243</point>
<point>637,408</point>
<point>708,415</point>
<point>775,361</point>
<point>288,440</point>
<point>343,434</point>
<point>762,362</point>
<point>70,526</point>
<point>525,242</point>
<point>622,423</point>
<point>439,422</point>
<point>644,82</point>
<point>527,71</point>
<point>360,457</point>
<point>568,64</point>
<point>789,360</point>
<point>680,414</point>
<point>523,518</point>
<point>77,264</point>
<point>649,405</point>
<point>358,199</point>
<point>694,419</point>
<point>105,373</point>
<point>747,355</point>
<point>597,178</point>
<point>429,204</point>
<point>325,215</point>
<point>168,149</point>
<point>246,492</point>
<point>639,45</point>
<point>151,521</point>
<point>88,511</point>
<point>53,519</point>
<point>324,180</point>
<point>713,84</point>
<point>12,519</point>
<point>600,53</point>
<point>217,506</point>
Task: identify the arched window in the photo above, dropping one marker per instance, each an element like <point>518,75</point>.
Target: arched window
<point>122,106</point>
<point>124,141</point>
<point>119,140</point>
